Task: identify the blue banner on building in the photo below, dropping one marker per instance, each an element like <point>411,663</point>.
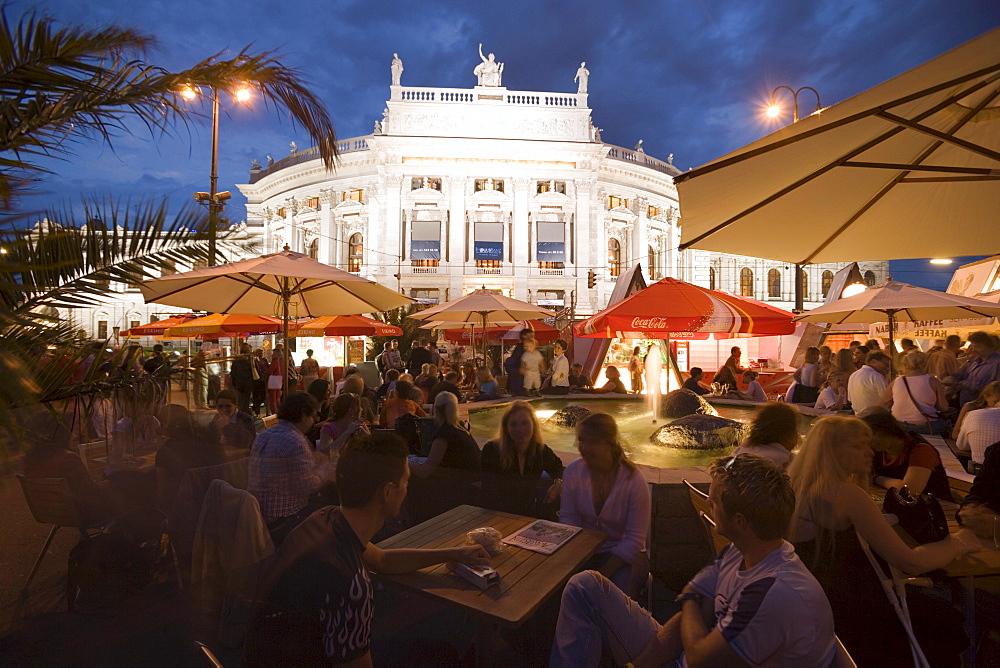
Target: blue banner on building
<point>489,250</point>
<point>551,251</point>
<point>425,250</point>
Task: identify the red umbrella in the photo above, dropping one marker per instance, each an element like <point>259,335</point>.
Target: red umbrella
<point>346,325</point>
<point>159,327</point>
<point>671,306</point>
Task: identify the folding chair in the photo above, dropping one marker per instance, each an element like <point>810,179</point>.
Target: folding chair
<point>51,502</point>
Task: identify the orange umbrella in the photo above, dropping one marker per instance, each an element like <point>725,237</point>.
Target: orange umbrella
<point>227,324</point>
<point>159,327</point>
<point>346,325</point>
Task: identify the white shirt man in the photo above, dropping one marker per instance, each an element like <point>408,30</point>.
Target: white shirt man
<point>867,385</point>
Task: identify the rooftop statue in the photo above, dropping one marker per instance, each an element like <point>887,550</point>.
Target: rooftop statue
<point>489,71</point>
<point>396,68</point>
<point>582,75</point>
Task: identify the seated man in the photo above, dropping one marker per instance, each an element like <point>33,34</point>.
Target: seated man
<point>577,379</point>
<point>232,427</point>
<point>316,602</point>
<point>755,604</point>
<point>283,472</point>
<point>694,382</point>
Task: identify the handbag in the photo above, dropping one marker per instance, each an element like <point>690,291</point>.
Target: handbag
<point>927,418</point>
<point>274,382</point>
<point>922,517</point>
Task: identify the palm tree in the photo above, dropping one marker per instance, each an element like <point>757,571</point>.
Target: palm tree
<point>64,85</point>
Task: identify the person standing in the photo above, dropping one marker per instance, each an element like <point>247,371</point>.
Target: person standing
<point>419,356</point>
<point>275,380</point>
<point>309,370</point>
<point>532,364</point>
<point>944,362</point>
<point>259,372</point>
<point>241,376</point>
<point>981,370</point>
<point>635,370</point>
<point>512,365</point>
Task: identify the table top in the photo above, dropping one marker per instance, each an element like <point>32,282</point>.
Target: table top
<point>141,463</point>
<point>527,578</point>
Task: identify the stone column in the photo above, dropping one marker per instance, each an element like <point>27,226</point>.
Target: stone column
<point>520,237</point>
<point>374,204</point>
<point>453,233</point>
<point>586,238</point>
<point>327,236</point>
<point>640,236</point>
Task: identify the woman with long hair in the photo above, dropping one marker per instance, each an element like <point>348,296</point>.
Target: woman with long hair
<point>603,490</point>
<point>452,446</point>
<point>843,362</point>
<point>834,514</point>
<point>635,370</point>
<point>916,397</point>
<point>513,464</point>
<point>773,434</point>
<point>344,424</point>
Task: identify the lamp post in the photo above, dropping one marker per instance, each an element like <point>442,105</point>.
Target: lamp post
<point>772,112</point>
<point>214,200</point>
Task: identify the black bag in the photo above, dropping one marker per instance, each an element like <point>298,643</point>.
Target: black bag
<point>921,517</point>
<point>805,394</point>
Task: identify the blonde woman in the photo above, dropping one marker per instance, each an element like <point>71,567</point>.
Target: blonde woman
<point>513,464</point>
<point>452,446</point>
<point>916,397</point>
<point>488,386</point>
<point>603,490</point>
<point>833,510</point>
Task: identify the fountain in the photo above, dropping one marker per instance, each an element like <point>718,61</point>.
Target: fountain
<point>654,366</point>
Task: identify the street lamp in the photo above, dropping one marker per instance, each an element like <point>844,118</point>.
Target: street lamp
<point>215,201</point>
<point>773,111</point>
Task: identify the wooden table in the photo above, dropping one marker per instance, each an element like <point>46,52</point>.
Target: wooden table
<point>143,463</point>
<point>528,578</point>
<point>961,575</point>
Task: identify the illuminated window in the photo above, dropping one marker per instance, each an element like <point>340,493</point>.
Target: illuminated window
<point>551,265</point>
<point>313,202</point>
<point>550,298</point>
<point>827,282</point>
<point>653,269</point>
<point>869,278</point>
<point>352,195</point>
<point>488,264</point>
<point>746,282</point>
<point>615,202</point>
<point>355,252</point>
<point>489,184</point>
<point>614,257</point>
<point>133,323</point>
<point>417,182</point>
<point>774,284</point>
<point>314,249</point>
<point>550,186</point>
<point>102,329</point>
<point>281,212</point>
<point>653,211</point>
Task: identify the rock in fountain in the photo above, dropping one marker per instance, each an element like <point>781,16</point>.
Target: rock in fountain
<point>700,432</point>
<point>682,402</point>
<point>568,416</point>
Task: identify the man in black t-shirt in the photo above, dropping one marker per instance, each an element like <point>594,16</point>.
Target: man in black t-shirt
<point>316,603</point>
<point>419,356</point>
<point>449,384</point>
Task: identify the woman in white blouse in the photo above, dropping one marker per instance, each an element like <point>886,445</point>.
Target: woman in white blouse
<point>559,382</point>
<point>603,490</point>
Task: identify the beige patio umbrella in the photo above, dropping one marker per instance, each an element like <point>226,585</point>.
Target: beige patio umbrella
<point>939,329</point>
<point>482,307</point>
<point>904,169</point>
<point>269,284</point>
<point>896,302</point>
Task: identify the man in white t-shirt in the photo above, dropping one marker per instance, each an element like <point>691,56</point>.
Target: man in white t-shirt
<point>867,385</point>
<point>756,604</point>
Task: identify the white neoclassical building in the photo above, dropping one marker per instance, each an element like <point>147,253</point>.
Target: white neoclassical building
<point>457,189</point>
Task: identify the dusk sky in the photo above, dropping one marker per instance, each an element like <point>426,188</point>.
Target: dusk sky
<point>689,78</point>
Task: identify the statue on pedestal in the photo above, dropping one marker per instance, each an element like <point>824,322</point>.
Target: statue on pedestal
<point>489,71</point>
<point>582,75</point>
<point>396,68</point>
<point>255,164</point>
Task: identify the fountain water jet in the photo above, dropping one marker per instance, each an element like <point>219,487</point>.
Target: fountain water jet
<point>654,366</point>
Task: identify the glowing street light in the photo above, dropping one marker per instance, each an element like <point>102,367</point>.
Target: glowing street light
<point>214,200</point>
<point>941,260</point>
<point>773,111</point>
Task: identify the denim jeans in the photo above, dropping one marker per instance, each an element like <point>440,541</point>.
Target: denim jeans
<point>596,614</point>
<point>935,426</point>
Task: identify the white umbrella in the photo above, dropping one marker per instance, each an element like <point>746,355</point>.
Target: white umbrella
<point>483,307</point>
<point>906,168</point>
<point>895,302</point>
<point>266,285</point>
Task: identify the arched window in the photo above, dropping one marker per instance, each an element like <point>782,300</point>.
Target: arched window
<point>314,249</point>
<point>746,282</point>
<point>774,284</point>
<point>827,282</point>
<point>614,257</point>
<point>355,252</point>
<point>869,278</point>
<point>653,269</point>
<point>711,278</point>
<point>805,284</point>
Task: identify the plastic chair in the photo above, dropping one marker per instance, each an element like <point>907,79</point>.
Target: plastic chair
<point>51,502</point>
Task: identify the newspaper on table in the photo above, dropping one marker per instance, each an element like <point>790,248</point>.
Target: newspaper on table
<point>542,536</point>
